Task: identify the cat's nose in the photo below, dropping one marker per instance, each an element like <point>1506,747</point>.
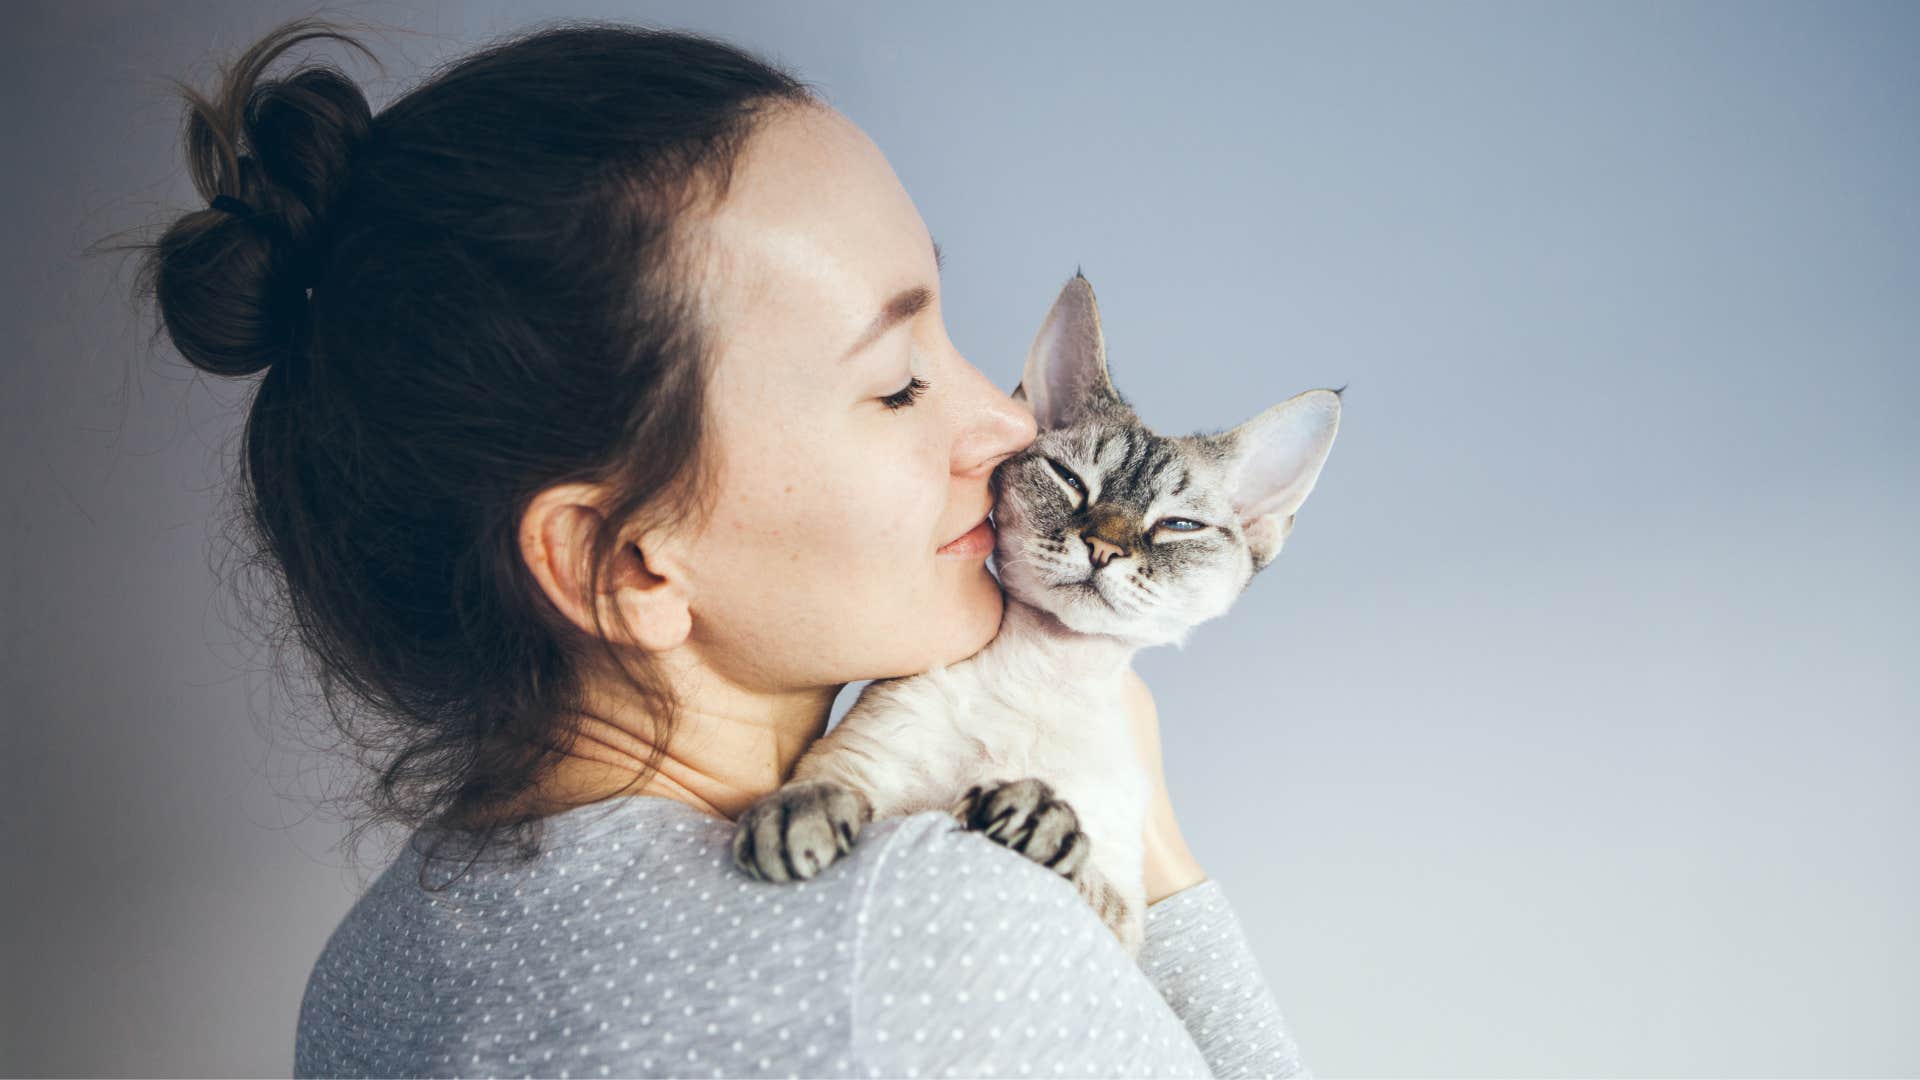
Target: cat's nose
<point>1101,551</point>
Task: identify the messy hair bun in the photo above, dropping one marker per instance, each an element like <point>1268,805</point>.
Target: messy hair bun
<point>506,268</point>
<point>232,282</point>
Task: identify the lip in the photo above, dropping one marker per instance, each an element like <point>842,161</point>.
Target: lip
<point>975,543</point>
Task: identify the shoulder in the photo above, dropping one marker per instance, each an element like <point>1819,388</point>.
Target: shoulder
<point>926,862</point>
<point>943,895</point>
<point>972,957</point>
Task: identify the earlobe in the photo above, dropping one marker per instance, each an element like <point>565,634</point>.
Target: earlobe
<point>655,605</point>
<point>645,594</point>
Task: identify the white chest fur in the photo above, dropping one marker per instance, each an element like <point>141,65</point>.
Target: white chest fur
<point>1038,701</point>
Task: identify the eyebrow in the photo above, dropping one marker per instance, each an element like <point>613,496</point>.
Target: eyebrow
<point>906,305</point>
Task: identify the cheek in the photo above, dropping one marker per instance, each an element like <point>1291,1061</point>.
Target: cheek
<point>817,563</point>
<point>872,512</point>
<point>833,516</point>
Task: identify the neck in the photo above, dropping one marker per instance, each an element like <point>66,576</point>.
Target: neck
<point>1062,649</point>
<point>729,746</point>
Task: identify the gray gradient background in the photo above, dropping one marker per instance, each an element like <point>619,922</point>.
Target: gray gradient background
<point>1574,733</point>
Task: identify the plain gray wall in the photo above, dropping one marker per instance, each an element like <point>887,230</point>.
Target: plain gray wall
<point>1574,733</point>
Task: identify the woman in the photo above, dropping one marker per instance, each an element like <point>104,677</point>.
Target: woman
<point>608,428</point>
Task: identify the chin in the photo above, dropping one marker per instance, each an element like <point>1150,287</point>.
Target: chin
<point>1085,612</point>
<point>976,617</point>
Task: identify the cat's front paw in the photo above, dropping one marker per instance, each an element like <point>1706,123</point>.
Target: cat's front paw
<point>799,830</point>
<point>1024,815</point>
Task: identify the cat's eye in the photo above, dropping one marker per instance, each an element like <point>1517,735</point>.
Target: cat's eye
<point>1179,524</point>
<point>1066,474</point>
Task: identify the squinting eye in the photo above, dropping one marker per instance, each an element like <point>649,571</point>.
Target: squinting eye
<point>1179,524</point>
<point>1067,474</point>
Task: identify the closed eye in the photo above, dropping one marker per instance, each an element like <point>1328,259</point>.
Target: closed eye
<point>906,395</point>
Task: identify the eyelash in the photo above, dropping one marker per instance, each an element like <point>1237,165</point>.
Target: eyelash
<point>906,395</point>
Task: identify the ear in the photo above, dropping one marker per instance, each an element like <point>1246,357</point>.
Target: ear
<point>644,581</point>
<point>1278,456</point>
<point>1066,370</point>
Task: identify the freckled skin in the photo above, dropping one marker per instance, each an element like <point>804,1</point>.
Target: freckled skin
<point>819,564</point>
<point>828,496</point>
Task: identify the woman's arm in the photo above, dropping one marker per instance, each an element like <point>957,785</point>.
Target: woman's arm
<point>1170,867</point>
<point>970,959</point>
<point>1196,953</point>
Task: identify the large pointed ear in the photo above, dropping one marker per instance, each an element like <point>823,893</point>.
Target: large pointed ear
<point>1278,456</point>
<point>1066,370</point>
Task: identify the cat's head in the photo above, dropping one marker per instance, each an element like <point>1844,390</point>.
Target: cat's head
<point>1116,530</point>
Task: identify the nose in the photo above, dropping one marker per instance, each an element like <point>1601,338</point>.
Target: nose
<point>1105,520</point>
<point>1100,551</point>
<point>990,427</point>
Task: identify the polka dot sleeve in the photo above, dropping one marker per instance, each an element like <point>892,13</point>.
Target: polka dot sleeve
<point>1198,958</point>
<point>972,960</point>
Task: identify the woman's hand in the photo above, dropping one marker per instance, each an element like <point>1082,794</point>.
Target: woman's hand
<point>1169,867</point>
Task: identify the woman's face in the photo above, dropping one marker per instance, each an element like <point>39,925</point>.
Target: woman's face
<point>852,452</point>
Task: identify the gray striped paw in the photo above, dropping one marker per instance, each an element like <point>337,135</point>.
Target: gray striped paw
<point>799,830</point>
<point>1024,815</point>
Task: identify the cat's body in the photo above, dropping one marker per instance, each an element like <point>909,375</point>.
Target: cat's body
<point>1110,539</point>
<point>1038,701</point>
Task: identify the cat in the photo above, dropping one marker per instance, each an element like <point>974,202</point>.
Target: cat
<point>1110,539</point>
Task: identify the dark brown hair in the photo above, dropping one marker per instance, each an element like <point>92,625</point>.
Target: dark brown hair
<point>486,289</point>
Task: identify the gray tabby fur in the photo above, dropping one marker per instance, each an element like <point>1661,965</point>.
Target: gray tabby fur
<point>1029,739</point>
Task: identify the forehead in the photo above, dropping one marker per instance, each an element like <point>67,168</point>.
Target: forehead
<point>816,230</point>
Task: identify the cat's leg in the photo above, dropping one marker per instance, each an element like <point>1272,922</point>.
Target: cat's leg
<point>1126,917</point>
<point>844,782</point>
<point>799,830</point>
<point>893,779</point>
<point>1025,815</point>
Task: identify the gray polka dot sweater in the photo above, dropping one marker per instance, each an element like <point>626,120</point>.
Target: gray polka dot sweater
<point>634,947</point>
